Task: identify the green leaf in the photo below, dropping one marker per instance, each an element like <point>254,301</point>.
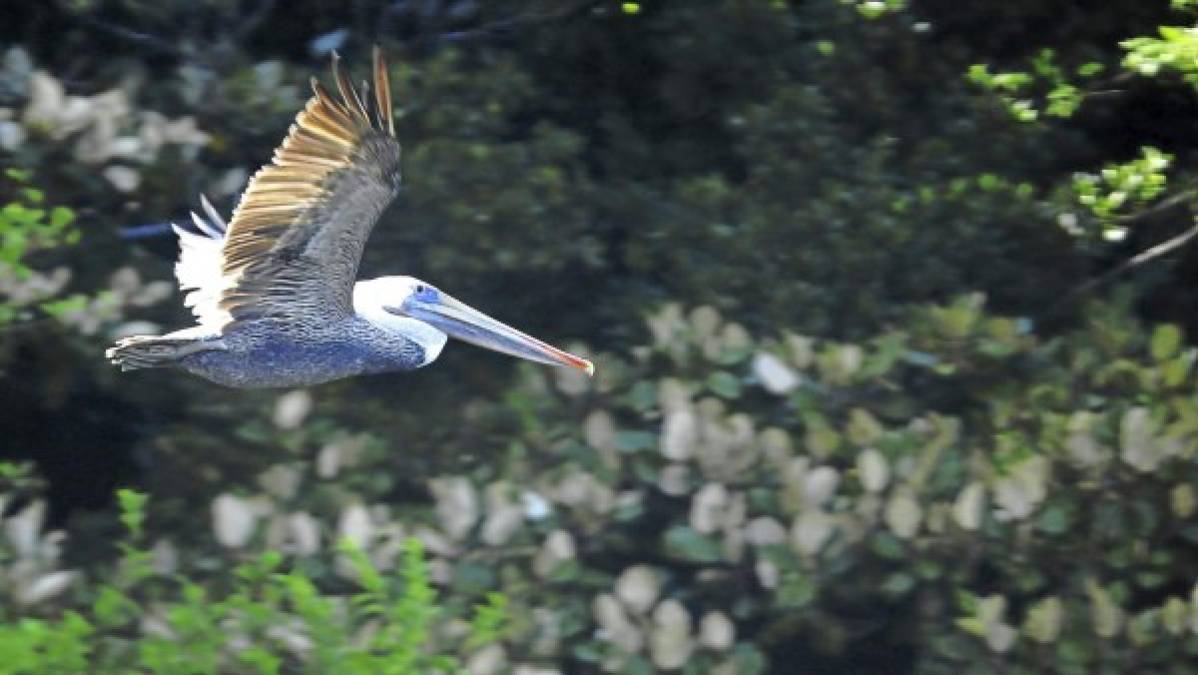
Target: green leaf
<point>1054,519</point>
<point>634,441</point>
<point>979,74</point>
<point>368,576</point>
<point>1177,371</point>
<point>261,660</point>
<point>61,216</point>
<point>113,608</point>
<point>971,625</point>
<point>473,578</point>
<point>887,546</point>
<point>685,543</point>
<point>748,659</point>
<point>588,652</point>
<point>921,359</point>
<point>724,384</point>
<point>133,510</point>
<point>63,306</point>
<point>796,590</point>
<point>643,396</point>
<point>490,621</point>
<point>1166,340</point>
<point>638,665</point>
<point>898,584</point>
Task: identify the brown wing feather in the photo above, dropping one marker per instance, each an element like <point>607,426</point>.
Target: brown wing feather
<point>297,236</point>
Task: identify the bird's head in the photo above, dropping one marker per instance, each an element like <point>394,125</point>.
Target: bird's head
<point>424,313</point>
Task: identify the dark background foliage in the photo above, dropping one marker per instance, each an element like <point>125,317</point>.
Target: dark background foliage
<point>801,167</point>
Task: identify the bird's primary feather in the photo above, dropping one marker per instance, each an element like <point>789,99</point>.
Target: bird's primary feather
<point>292,248</point>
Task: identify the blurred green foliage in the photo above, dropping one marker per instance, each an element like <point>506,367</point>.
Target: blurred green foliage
<point>1016,89</point>
<point>264,619</point>
<point>1173,50</point>
<point>1007,498</point>
<point>1131,184</point>
<point>29,226</point>
<point>717,497</point>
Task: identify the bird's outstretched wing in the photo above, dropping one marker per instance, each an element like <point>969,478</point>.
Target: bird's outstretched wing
<point>293,245</point>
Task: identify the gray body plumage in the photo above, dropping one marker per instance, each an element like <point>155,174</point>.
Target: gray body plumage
<point>269,353</point>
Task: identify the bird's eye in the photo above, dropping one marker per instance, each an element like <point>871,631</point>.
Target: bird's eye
<point>420,288</point>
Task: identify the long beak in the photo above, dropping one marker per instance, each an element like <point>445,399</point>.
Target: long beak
<point>459,320</point>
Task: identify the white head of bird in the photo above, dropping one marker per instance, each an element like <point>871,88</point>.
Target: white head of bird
<point>428,316</point>
<point>375,300</point>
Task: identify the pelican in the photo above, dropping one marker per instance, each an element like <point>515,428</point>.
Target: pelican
<point>275,291</point>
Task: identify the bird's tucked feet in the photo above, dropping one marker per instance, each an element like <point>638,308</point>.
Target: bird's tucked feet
<point>148,351</point>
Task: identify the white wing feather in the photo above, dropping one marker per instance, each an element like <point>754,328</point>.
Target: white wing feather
<point>199,267</point>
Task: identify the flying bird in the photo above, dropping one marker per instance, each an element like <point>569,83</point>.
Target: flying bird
<point>275,291</point>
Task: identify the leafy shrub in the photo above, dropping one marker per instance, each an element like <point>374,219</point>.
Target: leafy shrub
<point>1007,498</point>
<point>263,619</point>
<point>27,227</point>
<point>717,502</point>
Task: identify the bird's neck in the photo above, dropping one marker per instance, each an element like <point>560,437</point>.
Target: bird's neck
<point>429,339</point>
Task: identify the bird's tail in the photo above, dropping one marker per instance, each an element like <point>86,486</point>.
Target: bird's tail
<point>149,351</point>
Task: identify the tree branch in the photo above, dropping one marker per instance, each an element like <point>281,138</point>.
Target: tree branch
<point>143,39</point>
<point>1164,205</point>
<point>1148,254</point>
<point>508,25</point>
<point>249,23</point>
